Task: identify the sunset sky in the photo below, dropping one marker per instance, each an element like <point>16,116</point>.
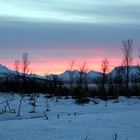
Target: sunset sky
<point>55,32</point>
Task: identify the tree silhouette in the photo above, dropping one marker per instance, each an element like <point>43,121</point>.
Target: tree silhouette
<point>71,75</point>
<point>104,70</point>
<point>25,71</point>
<point>82,81</point>
<point>127,60</point>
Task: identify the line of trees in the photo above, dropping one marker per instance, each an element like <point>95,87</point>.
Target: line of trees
<point>108,86</point>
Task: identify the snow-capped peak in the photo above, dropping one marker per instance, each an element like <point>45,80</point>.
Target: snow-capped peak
<point>4,69</point>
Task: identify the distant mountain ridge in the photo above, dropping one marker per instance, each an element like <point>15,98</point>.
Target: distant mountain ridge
<point>134,71</point>
<point>4,71</point>
<point>91,75</point>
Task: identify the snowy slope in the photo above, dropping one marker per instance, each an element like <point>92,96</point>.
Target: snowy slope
<point>96,122</point>
<point>91,75</point>
<point>134,71</point>
<point>66,76</point>
<point>4,71</point>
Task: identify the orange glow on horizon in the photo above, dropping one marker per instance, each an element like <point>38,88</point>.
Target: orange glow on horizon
<point>57,61</point>
<point>58,66</point>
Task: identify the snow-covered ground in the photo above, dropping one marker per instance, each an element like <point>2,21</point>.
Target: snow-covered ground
<point>76,122</point>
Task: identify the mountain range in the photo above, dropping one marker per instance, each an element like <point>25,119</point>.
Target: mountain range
<point>91,75</point>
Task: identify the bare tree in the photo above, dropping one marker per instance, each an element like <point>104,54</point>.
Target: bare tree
<point>57,86</point>
<point>118,79</point>
<point>128,59</point>
<point>71,75</point>
<point>25,66</point>
<point>104,70</point>
<point>25,71</point>
<point>82,80</point>
<point>55,80</point>
<point>33,101</point>
<point>83,74</point>
<point>17,65</point>
<point>33,95</point>
<point>6,99</point>
<point>47,106</point>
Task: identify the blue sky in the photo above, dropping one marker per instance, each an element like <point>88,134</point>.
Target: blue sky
<point>71,11</point>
